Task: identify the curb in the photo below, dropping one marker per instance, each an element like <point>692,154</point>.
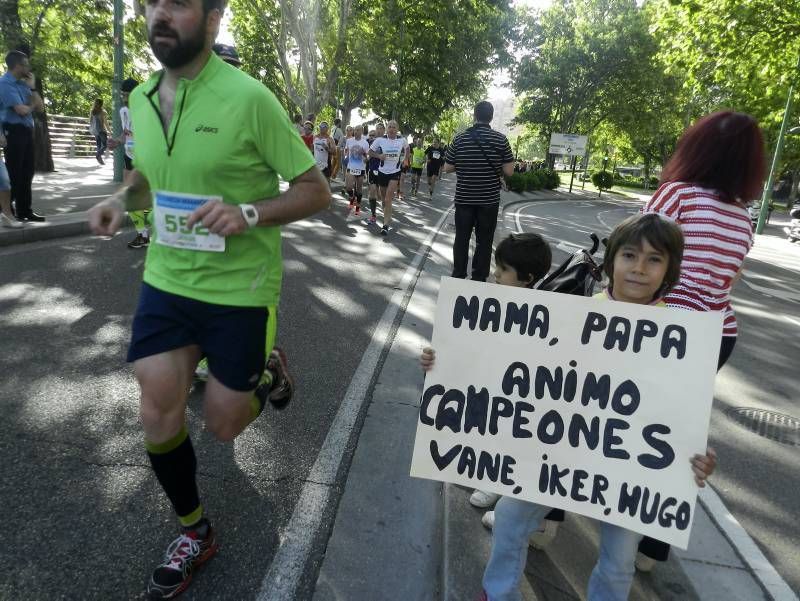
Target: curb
<point>69,225</point>
<point>57,226</point>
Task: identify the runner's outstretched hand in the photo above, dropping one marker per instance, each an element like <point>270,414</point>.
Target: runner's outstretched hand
<point>703,466</point>
<point>105,217</point>
<point>427,359</point>
<point>219,218</point>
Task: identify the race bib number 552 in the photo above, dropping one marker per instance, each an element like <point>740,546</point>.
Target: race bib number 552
<point>171,213</point>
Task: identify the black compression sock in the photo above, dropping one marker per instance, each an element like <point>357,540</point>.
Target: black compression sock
<point>175,466</point>
<point>373,206</point>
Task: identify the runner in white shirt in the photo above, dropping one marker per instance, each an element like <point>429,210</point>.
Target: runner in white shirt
<point>323,149</point>
<point>356,154</point>
<point>393,153</point>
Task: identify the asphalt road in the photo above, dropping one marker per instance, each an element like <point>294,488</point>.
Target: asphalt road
<point>84,516</point>
<point>757,477</point>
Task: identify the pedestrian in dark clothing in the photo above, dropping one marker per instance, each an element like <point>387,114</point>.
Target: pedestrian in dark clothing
<point>481,158</point>
<point>98,126</point>
<point>19,100</point>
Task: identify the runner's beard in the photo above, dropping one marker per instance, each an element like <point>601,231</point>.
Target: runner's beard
<point>184,50</point>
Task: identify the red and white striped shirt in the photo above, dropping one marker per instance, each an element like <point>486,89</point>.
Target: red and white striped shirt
<point>717,237</point>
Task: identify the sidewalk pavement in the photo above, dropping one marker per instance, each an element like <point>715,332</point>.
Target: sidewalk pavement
<point>65,196</point>
<point>401,538</point>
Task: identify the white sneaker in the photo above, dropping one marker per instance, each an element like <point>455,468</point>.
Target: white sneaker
<point>483,499</point>
<point>9,222</point>
<point>538,540</point>
<point>644,563</point>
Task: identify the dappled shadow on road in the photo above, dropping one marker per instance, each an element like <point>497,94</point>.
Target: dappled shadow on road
<point>76,185</point>
<point>75,471</point>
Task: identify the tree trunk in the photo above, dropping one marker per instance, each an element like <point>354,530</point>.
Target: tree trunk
<point>10,25</point>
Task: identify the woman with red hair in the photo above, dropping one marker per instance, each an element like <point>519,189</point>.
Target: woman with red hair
<point>717,169</point>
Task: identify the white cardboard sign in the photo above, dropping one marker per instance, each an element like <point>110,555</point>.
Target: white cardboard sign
<point>568,144</point>
<point>586,404</point>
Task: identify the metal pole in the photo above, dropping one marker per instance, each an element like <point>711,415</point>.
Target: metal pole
<point>572,178</point>
<point>767,195</point>
<point>119,57</point>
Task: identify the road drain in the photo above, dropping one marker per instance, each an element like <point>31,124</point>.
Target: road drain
<point>769,424</point>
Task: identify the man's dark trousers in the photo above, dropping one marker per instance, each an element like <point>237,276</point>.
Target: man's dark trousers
<point>19,161</point>
<point>483,219</point>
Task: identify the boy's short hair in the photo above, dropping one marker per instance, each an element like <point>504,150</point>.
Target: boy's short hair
<point>663,234</point>
<point>528,254</point>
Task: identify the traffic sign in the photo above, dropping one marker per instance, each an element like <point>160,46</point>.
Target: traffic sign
<point>568,144</point>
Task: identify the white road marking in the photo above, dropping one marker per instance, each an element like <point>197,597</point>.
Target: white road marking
<point>288,565</point>
<point>563,245</point>
<point>785,295</point>
<point>748,550</point>
<point>792,320</point>
<point>85,197</point>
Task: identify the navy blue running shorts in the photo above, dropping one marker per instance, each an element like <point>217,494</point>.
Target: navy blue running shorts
<point>231,338</point>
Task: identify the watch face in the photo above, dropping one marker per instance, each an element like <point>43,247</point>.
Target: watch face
<point>251,213</point>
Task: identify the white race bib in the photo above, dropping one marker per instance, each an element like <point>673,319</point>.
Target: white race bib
<point>436,156</point>
<point>170,214</point>
<point>129,147</point>
<point>356,172</point>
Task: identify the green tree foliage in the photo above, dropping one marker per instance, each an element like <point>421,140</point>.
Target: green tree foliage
<point>304,42</point>
<point>584,62</point>
<point>730,53</point>
<point>737,55</point>
<point>258,52</point>
<point>416,62</point>
<point>71,48</point>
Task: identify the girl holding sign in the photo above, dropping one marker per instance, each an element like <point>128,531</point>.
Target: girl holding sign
<point>642,262</point>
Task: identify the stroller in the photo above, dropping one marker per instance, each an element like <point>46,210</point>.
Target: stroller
<point>578,274</point>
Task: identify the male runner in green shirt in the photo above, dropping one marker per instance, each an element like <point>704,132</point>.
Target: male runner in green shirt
<point>417,163</point>
<point>211,143</point>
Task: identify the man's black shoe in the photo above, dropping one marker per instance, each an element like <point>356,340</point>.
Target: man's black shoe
<point>34,217</point>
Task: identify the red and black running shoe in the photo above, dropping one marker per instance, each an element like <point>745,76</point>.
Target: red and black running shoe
<point>183,556</point>
<point>278,392</point>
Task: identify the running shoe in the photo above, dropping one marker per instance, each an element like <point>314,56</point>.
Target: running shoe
<point>201,371</point>
<point>183,556</point>
<point>138,242</point>
<point>10,222</point>
<point>385,230</point>
<point>280,389</point>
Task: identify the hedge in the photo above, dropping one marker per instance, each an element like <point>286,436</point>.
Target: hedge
<point>537,179</point>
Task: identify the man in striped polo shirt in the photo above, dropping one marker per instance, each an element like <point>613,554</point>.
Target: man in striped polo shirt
<point>481,157</point>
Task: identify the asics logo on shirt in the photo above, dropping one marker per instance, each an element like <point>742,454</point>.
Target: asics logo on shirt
<point>205,129</point>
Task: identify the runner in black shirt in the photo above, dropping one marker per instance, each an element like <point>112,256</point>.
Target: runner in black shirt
<point>435,155</point>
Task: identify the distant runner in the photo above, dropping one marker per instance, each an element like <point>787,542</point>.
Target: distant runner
<point>373,164</point>
<point>393,153</point>
<point>435,155</point>
<point>417,163</point>
<point>357,150</point>
<point>324,148</point>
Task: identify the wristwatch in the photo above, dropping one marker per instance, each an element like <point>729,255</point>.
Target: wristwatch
<point>250,214</point>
